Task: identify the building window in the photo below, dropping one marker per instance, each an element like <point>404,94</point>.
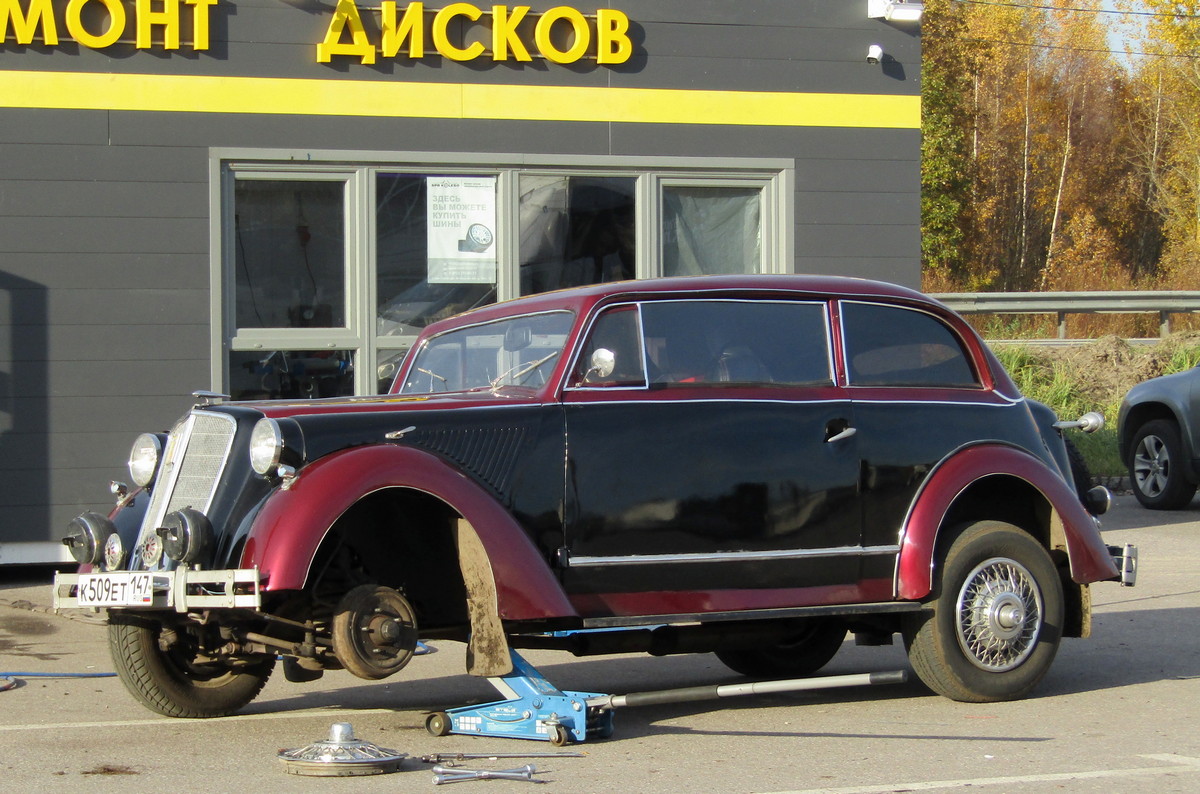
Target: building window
<point>328,268</point>
<point>576,230</point>
<point>711,230</point>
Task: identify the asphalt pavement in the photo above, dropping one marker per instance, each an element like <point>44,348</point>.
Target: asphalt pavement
<point>1117,712</point>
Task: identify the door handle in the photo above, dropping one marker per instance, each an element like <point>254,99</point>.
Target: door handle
<point>845,432</point>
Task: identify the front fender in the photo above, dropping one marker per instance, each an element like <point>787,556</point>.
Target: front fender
<point>292,524</point>
<point>1089,557</point>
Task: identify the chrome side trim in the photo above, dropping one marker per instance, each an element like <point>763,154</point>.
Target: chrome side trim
<point>692,618</point>
<point>731,556</point>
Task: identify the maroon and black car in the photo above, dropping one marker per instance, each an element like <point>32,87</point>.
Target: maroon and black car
<point>750,466</point>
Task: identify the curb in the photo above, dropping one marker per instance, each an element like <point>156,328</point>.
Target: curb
<point>78,615</point>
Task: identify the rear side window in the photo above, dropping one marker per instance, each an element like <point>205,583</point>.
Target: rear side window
<point>894,346</point>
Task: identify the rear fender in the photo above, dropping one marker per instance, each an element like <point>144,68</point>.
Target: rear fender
<point>292,524</point>
<point>1069,524</point>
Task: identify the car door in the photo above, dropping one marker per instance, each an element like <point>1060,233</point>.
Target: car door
<point>918,397</point>
<point>711,463</point>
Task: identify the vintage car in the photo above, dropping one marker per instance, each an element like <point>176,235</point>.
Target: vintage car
<point>1158,436</point>
<point>751,466</point>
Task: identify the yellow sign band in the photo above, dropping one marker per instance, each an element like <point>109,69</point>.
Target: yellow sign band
<point>306,97</point>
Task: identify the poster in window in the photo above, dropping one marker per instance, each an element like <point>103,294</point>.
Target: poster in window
<point>462,229</point>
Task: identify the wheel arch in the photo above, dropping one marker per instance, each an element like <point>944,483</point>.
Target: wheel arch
<point>1139,414</point>
<point>294,523</point>
<point>999,482</point>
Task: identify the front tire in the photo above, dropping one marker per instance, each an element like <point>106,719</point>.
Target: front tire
<point>993,625</point>
<point>1156,467</point>
<point>172,680</point>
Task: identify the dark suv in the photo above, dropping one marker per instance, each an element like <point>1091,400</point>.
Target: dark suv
<point>751,466</point>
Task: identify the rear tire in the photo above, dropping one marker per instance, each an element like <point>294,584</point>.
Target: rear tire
<point>992,627</point>
<point>172,682</point>
<point>804,653</point>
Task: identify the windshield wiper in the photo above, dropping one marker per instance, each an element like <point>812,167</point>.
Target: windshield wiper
<point>432,375</point>
<point>520,371</point>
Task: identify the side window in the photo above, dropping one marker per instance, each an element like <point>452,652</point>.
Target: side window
<point>893,346</point>
<point>736,342</point>
<point>616,340</point>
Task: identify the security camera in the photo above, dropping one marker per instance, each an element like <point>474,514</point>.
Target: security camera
<point>874,53</point>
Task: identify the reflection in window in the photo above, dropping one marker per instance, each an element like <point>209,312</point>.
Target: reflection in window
<point>891,346</point>
<point>709,231</point>
<point>291,374</point>
<point>575,230</point>
<point>289,241</point>
<point>617,332</point>
<point>406,300</point>
<point>518,351</point>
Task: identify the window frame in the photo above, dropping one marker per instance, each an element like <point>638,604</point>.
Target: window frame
<point>775,177</point>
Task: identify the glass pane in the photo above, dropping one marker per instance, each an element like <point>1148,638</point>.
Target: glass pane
<point>290,252</point>
<point>890,346</point>
<point>517,351</point>
<point>714,342</point>
<point>711,230</point>
<point>618,337</point>
<point>575,230</point>
<point>291,374</point>
<point>408,297</point>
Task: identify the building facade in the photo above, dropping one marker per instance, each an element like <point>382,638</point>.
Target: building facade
<point>270,198</point>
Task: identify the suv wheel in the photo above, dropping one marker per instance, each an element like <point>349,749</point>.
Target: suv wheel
<point>1156,467</point>
<point>993,625</point>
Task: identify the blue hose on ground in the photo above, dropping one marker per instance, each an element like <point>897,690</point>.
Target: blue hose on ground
<point>9,680</point>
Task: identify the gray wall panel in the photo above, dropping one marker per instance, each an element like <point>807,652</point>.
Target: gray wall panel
<point>140,308</point>
<point>109,199</point>
<point>23,125</point>
<point>116,341</point>
<point>86,235</point>
<point>152,163</point>
<point>128,270</point>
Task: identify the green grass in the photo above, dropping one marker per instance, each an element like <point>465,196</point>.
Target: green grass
<point>1094,377</point>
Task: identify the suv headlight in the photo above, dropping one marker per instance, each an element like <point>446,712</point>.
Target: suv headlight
<point>144,458</point>
<point>266,446</point>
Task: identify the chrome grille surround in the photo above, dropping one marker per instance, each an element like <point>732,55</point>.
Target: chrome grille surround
<point>193,461</point>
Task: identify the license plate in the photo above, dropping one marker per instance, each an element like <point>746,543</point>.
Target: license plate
<point>125,589</point>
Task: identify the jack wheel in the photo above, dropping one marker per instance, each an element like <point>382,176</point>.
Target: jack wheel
<point>559,736</point>
<point>438,724</point>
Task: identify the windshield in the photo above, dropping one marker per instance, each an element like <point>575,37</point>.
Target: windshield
<point>516,351</point>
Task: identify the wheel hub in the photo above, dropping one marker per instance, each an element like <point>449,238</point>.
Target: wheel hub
<point>999,615</point>
<point>374,631</point>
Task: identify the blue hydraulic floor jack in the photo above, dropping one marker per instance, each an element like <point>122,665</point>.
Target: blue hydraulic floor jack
<point>534,708</point>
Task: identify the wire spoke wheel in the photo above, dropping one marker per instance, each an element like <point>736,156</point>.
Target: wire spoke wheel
<point>999,615</point>
<point>991,628</point>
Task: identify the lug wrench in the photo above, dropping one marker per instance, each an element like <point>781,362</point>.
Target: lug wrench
<point>443,774</point>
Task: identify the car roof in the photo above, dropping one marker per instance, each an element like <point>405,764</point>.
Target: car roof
<point>581,299</point>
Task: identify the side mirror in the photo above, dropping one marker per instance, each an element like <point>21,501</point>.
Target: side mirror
<point>604,361</point>
<point>1088,423</point>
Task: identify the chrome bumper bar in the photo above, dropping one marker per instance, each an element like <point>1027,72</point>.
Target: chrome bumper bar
<point>183,590</point>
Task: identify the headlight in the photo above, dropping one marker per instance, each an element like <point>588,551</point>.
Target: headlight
<point>186,535</point>
<point>144,458</point>
<point>88,536</point>
<point>266,446</point>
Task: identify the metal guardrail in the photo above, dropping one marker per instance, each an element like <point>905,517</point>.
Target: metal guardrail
<point>1163,303</point>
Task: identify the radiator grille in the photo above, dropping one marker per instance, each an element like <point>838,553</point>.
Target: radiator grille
<point>193,461</point>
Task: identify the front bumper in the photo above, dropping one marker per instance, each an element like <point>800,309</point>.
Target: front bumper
<point>183,590</point>
<point>1126,559</point>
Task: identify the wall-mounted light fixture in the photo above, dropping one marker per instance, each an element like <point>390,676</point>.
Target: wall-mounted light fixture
<point>896,10</point>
